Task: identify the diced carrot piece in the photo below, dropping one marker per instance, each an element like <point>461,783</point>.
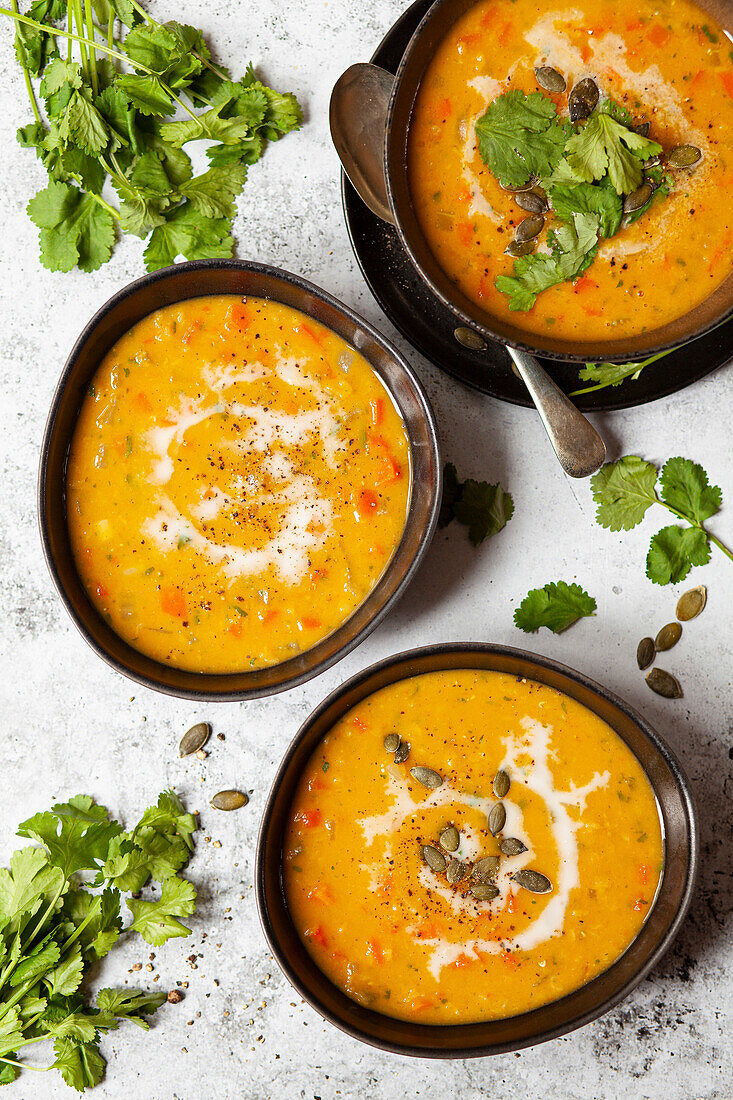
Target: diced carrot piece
<point>635,25</point>
<point>658,35</point>
<point>443,109</point>
<point>101,591</point>
<point>584,283</point>
<point>377,410</point>
<point>360,723</point>
<point>143,401</point>
<point>389,470</point>
<point>464,193</point>
<point>317,785</point>
<point>302,327</point>
<point>309,622</point>
<point>321,892</point>
<point>190,332</point>
<point>235,629</point>
<point>469,39</point>
<point>419,1004</point>
<point>317,935</point>
<point>509,960</point>
<point>698,79</point>
<point>643,873</point>
<point>368,502</point>
<point>173,602</point>
<point>462,961</point>
<point>238,316</point>
<point>464,232</point>
<point>590,312</point>
<point>488,17</point>
<point>270,614</point>
<point>505,34</point>
<point>726,79</point>
<point>317,574</point>
<point>375,950</point>
<point>310,818</point>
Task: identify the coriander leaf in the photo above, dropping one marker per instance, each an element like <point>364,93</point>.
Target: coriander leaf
<point>66,977</point>
<point>605,145</point>
<point>573,248</point>
<point>114,107</point>
<point>76,1024</point>
<point>146,94</point>
<point>609,374</point>
<point>556,606</point>
<point>59,74</point>
<point>156,920</point>
<point>145,195</point>
<point>129,1004</point>
<point>76,834</point>
<point>36,964</point>
<point>154,854</point>
<point>673,551</point>
<point>74,228</point>
<point>80,1064</point>
<point>32,47</point>
<point>9,1072</point>
<point>623,491</point>
<point>236,112</point>
<point>167,50</point>
<point>520,135</point>
<point>100,915</point>
<point>283,112</point>
<point>204,87</point>
<point>29,882</point>
<point>186,233</point>
<point>617,111</point>
<point>213,193</point>
<point>82,124</point>
<point>11,1031</point>
<point>586,198</point>
<point>485,509</point>
<point>684,486</point>
<point>248,152</point>
<point>168,816</point>
<point>452,489</point>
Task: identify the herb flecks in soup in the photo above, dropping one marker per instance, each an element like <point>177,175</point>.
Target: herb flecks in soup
<point>512,855</point>
<point>613,132</point>
<point>238,481</point>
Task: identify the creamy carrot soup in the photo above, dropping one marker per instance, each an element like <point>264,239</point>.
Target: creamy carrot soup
<point>238,481</point>
<point>665,68</point>
<point>466,846</point>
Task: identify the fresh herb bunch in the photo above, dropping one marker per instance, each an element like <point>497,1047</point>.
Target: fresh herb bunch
<point>106,124</point>
<point>485,509</point>
<point>60,912</point>
<point>587,170</point>
<point>556,605</point>
<point>625,489</point>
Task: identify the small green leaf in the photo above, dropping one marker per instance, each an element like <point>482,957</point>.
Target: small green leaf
<point>684,486</point>
<point>485,509</point>
<point>156,920</point>
<point>520,135</point>
<point>606,145</point>
<point>186,233</point>
<point>213,193</point>
<point>673,551</point>
<point>66,977</point>
<point>556,606</point>
<point>146,94</point>
<point>573,248</point>
<point>129,1004</point>
<point>80,1064</point>
<point>623,491</point>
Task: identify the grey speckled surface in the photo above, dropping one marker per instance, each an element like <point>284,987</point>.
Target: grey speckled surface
<point>70,724</point>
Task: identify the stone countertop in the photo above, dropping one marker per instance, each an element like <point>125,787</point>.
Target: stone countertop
<point>71,724</point>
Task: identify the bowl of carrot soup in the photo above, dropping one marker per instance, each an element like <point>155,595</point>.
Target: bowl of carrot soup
<point>469,849</point>
<point>238,479</point>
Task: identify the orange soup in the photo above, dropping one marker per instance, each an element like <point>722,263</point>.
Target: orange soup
<point>665,69</point>
<point>467,846</point>
<point>238,480</point>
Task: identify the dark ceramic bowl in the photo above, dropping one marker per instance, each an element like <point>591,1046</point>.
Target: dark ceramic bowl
<point>496,1036</point>
<point>440,17</point>
<point>121,312</point>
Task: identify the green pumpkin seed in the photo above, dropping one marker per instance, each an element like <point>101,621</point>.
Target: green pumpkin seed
<point>497,818</point>
<point>531,202</point>
<point>485,891</point>
<point>435,860</point>
<point>532,881</point>
<point>522,187</point>
<point>668,636</point>
<point>638,198</point>
<point>529,228</point>
<point>549,79</point>
<point>645,652</point>
<point>427,777</point>
<point>392,742</point>
<point>583,99</point>
<point>229,800</point>
<point>194,739</point>
<point>501,784</point>
<point>485,869</point>
<point>403,751</point>
<point>691,603</point>
<point>457,871</point>
<point>469,338</point>
<point>684,156</point>
<point>512,846</point>
<point>664,683</point>
<point>643,128</point>
<point>520,248</point>
<point>449,839</point>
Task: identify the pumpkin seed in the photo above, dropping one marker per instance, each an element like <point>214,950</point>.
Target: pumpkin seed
<point>520,248</point>
<point>668,636</point>
<point>638,198</point>
<point>512,846</point>
<point>485,891</point>
<point>427,777</point>
<point>449,839</point>
<point>684,156</point>
<point>435,860</point>
<point>457,871</point>
<point>392,742</point>
<point>529,228</point>
<point>549,79</point>
<point>645,652</point>
<point>497,818</point>
<point>531,201</point>
<point>194,739</point>
<point>485,869</point>
<point>532,881</point>
<point>522,187</point>
<point>652,162</point>
<point>501,784</point>
<point>229,800</point>
<point>664,683</point>
<point>643,128</point>
<point>583,99</point>
<point>469,339</point>
<point>402,752</point>
<point>691,603</point>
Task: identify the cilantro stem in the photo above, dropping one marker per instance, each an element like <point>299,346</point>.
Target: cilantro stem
<point>97,198</point>
<point>694,523</point>
<point>25,1065</point>
<point>92,47</point>
<point>634,368</point>
<point>81,38</point>
<point>24,65</point>
<point>111,29</point>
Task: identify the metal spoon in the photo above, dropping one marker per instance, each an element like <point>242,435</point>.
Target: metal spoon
<point>358,115</point>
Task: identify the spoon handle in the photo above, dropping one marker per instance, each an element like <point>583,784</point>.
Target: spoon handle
<point>578,446</point>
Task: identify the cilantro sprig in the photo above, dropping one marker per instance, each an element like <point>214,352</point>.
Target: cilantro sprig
<point>603,375</point>
<point>557,605</point>
<point>626,489</point>
<point>484,508</point>
<point>60,912</point>
<point>106,127</point>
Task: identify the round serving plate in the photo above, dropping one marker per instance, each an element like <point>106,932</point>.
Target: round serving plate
<point>679,830</point>
<point>429,325</point>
